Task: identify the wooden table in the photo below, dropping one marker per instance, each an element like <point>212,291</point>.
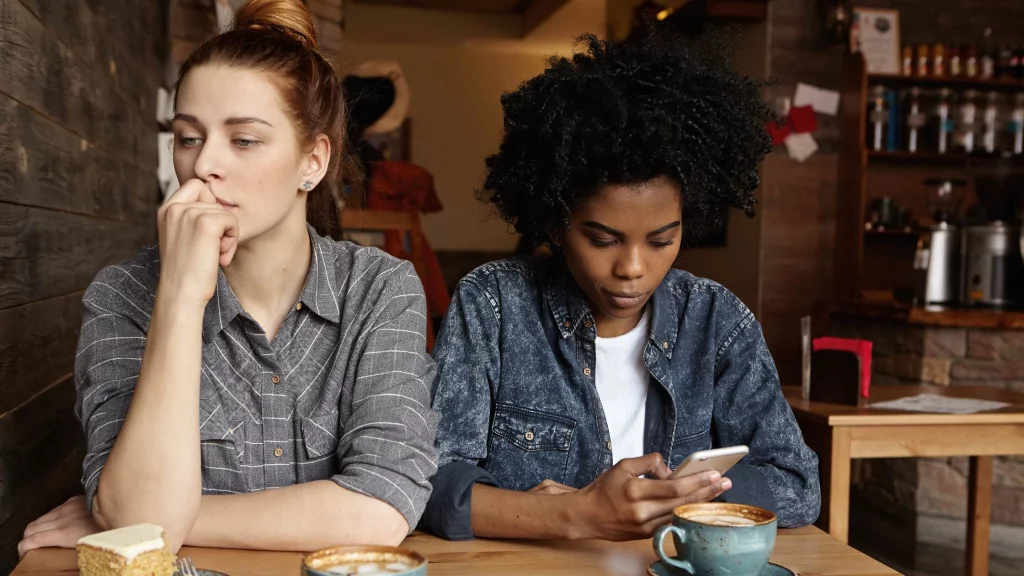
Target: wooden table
<point>807,551</point>
<point>841,433</point>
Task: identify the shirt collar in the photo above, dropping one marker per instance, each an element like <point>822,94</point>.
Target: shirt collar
<point>318,294</point>
<point>570,310</point>
<point>566,301</point>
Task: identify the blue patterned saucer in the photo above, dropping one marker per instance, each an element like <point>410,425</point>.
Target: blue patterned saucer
<point>659,568</point>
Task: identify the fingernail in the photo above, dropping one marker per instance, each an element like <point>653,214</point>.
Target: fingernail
<point>714,476</point>
<point>726,484</point>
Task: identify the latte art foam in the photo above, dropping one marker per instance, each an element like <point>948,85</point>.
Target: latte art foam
<point>369,569</point>
<point>721,520</point>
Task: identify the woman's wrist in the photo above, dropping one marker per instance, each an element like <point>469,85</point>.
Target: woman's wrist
<point>173,303</point>
<point>574,516</point>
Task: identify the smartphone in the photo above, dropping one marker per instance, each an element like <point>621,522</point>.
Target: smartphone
<point>720,459</point>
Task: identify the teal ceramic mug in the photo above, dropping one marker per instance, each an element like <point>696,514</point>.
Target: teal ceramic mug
<point>363,560</point>
<point>718,538</point>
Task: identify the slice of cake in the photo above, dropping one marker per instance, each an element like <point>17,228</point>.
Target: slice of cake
<point>139,550</point>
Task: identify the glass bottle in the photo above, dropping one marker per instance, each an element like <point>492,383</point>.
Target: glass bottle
<point>956,67</point>
<point>970,61</point>
<point>1015,126</point>
<point>990,123</point>
<point>907,62</point>
<point>942,121</point>
<point>938,59</point>
<point>916,120</point>
<point>988,53</point>
<point>988,65</point>
<point>966,122</point>
<point>878,115</point>
<point>922,59</point>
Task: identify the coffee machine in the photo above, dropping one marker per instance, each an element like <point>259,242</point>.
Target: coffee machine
<point>993,269</point>
<point>938,256</point>
<point>937,263</point>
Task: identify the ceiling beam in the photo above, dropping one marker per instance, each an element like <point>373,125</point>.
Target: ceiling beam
<point>538,12</point>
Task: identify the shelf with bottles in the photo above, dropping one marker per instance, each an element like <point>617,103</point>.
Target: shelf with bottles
<point>984,65</point>
<point>943,124</point>
<point>927,157</point>
<point>959,82</point>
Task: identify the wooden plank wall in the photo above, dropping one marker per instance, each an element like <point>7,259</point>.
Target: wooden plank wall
<point>78,191</point>
<point>799,201</point>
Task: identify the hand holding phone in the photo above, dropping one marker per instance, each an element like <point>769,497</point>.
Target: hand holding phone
<point>720,459</point>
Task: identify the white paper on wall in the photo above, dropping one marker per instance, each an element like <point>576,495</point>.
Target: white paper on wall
<point>164,106</point>
<point>823,101</point>
<point>165,163</point>
<point>801,146</point>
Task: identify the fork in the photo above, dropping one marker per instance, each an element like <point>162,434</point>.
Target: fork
<point>186,567</point>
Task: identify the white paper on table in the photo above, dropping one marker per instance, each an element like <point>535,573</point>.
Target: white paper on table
<point>801,146</point>
<point>823,101</point>
<point>940,404</point>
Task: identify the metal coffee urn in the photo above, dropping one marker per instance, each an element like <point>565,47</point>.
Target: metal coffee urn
<point>993,268</point>
<point>937,265</point>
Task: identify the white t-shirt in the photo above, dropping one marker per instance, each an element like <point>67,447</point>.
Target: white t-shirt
<point>622,380</point>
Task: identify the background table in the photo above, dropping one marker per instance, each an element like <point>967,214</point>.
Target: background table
<point>808,551</point>
<point>841,433</point>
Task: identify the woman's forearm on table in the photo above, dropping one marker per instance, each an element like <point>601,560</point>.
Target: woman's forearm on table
<point>153,473</point>
<point>301,517</point>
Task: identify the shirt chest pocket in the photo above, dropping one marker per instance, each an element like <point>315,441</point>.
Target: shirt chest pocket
<point>528,446</point>
<point>320,437</point>
<point>222,445</point>
<point>689,443</point>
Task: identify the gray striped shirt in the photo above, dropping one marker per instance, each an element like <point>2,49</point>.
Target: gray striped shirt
<point>341,393</point>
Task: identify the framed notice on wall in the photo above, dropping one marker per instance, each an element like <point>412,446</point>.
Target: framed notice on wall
<point>875,33</point>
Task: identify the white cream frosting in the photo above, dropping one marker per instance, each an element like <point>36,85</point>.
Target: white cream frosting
<point>129,541</point>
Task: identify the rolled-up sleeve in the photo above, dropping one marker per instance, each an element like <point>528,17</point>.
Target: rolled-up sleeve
<point>780,472</point>
<point>387,448</point>
<point>107,366</point>
<point>468,365</point>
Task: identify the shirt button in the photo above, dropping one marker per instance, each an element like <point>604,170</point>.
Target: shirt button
<point>278,452</point>
<point>665,345</point>
<point>529,435</point>
<point>298,306</point>
<point>586,371</point>
<point>275,379</point>
<point>608,445</point>
<point>588,324</point>
<point>567,324</point>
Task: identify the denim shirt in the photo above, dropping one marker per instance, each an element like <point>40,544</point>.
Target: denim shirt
<point>517,399</point>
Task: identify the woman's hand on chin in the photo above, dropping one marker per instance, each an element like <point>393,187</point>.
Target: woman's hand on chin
<point>197,236</point>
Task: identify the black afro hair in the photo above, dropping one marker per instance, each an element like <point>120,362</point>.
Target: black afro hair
<point>622,113</point>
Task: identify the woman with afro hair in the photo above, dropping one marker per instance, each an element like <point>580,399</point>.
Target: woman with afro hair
<point>569,388</point>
